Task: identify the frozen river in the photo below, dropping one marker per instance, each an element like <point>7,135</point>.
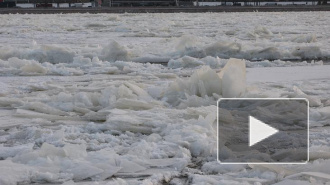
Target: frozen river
<point>81,103</point>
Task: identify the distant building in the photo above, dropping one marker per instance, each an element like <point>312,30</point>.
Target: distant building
<point>115,3</point>
<point>4,4</point>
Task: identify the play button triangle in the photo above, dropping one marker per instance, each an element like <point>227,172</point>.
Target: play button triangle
<point>259,131</point>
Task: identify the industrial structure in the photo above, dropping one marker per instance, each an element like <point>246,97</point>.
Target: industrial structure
<point>133,3</point>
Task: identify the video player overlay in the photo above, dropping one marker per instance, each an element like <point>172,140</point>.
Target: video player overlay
<point>263,131</point>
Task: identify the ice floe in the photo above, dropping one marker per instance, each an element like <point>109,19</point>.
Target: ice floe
<point>122,101</point>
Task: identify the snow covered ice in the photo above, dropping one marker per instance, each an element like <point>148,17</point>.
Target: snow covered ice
<point>131,98</point>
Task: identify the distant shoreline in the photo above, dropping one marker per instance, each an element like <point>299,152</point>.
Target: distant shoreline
<point>164,9</point>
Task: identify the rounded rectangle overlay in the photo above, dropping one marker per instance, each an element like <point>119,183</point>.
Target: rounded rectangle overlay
<point>263,130</point>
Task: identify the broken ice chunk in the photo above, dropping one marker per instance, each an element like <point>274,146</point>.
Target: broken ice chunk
<point>13,173</point>
<point>313,101</point>
<point>33,68</point>
<point>10,102</point>
<point>124,103</point>
<point>233,78</point>
<point>138,91</point>
<point>204,82</point>
<point>184,62</point>
<point>129,166</point>
<point>113,52</point>
<point>44,108</point>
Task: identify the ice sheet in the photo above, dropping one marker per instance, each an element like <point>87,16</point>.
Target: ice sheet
<point>90,99</point>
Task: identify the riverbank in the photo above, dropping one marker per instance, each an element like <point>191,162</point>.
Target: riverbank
<point>164,9</point>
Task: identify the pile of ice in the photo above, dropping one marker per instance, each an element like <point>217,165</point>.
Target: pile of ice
<point>88,103</point>
<point>40,53</point>
<point>56,54</point>
<point>15,66</point>
<point>191,62</point>
<point>110,59</point>
<point>24,67</point>
<point>227,49</point>
<point>79,66</point>
<point>267,46</point>
<point>204,87</point>
<point>263,33</point>
<point>84,65</point>
<point>166,38</point>
<point>114,52</point>
<point>171,127</point>
<point>72,162</point>
<point>205,83</point>
<point>216,62</point>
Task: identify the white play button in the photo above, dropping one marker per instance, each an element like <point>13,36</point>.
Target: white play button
<point>259,131</point>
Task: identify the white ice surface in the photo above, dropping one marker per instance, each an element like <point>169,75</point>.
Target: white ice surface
<point>75,109</point>
<point>280,74</point>
<point>249,35</point>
